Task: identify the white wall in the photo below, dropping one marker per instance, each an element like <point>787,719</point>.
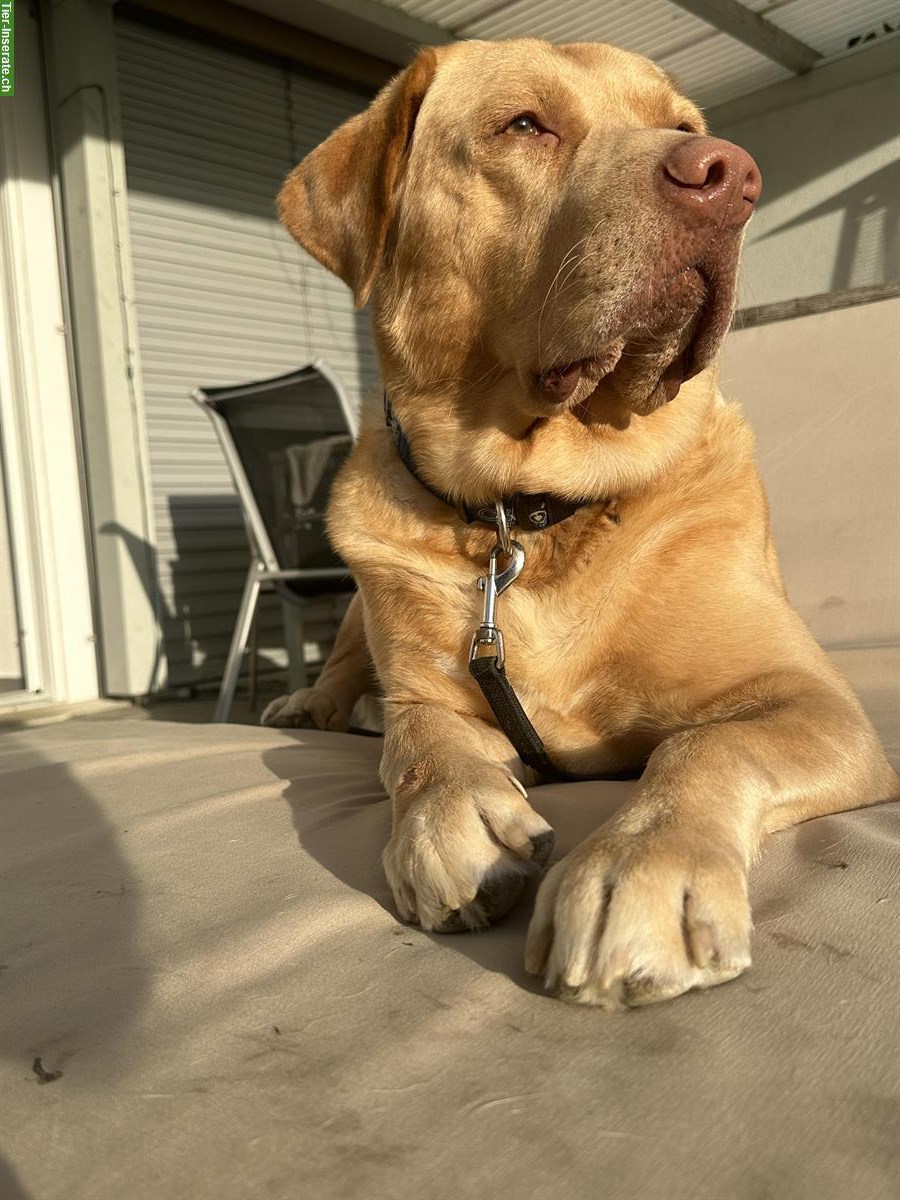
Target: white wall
<point>822,394</point>
<point>828,145</point>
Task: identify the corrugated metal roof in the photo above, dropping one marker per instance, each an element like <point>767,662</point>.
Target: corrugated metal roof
<point>719,68</point>
<point>827,25</point>
<point>646,26</point>
<point>711,66</point>
<point>449,14</point>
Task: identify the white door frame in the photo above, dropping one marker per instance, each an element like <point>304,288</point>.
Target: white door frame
<point>44,480</point>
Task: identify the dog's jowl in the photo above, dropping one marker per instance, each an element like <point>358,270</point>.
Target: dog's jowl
<point>550,238</point>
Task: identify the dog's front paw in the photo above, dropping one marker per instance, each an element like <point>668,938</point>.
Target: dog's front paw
<point>631,918</point>
<point>459,856</point>
<point>308,708</point>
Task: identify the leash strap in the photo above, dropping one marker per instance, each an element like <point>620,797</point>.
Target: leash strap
<point>486,658</point>
<point>491,677</point>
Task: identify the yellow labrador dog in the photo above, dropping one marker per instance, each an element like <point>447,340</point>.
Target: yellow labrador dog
<point>550,240</point>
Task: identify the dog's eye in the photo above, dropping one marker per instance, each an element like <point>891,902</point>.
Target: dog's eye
<point>685,127</point>
<point>524,124</point>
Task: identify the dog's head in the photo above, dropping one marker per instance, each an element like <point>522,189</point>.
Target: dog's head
<point>551,216</point>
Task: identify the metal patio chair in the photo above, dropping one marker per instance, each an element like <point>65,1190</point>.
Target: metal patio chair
<point>283,440</point>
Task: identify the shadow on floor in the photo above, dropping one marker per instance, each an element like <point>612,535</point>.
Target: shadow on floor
<point>73,975</point>
<point>10,1187</point>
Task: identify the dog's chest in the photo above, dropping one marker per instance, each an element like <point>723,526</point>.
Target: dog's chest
<point>561,620</point>
<point>555,641</point>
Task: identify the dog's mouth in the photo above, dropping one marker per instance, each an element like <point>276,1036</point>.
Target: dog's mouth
<point>712,320</point>
<point>673,337</point>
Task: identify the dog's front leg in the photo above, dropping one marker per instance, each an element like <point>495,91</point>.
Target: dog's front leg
<point>655,903</point>
<point>464,836</point>
<point>347,675</point>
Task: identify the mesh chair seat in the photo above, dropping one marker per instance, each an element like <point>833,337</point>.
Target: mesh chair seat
<point>284,440</point>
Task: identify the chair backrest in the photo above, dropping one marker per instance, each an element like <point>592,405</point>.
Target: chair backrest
<point>283,439</point>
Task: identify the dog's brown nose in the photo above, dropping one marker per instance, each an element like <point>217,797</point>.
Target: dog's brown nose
<point>711,179</point>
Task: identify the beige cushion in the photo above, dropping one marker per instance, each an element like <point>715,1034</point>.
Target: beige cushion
<point>199,937</point>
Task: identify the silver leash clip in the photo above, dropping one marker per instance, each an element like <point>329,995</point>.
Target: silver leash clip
<point>488,640</point>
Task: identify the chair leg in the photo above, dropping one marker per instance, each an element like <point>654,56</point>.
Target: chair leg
<point>293,640</point>
<point>252,666</point>
<point>238,642</point>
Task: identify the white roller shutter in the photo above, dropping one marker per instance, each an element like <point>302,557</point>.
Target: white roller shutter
<point>223,296</point>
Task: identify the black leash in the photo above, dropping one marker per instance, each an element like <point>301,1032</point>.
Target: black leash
<point>491,677</point>
<point>487,656</point>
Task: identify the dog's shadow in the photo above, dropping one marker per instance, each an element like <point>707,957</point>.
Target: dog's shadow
<point>342,818</point>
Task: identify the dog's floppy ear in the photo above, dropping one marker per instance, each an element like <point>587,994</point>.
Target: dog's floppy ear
<point>339,201</point>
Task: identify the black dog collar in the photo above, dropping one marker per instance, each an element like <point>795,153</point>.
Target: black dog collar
<point>529,513</point>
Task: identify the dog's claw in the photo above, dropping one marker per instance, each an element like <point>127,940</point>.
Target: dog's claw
<point>542,847</point>
<point>492,902</point>
<point>455,923</point>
